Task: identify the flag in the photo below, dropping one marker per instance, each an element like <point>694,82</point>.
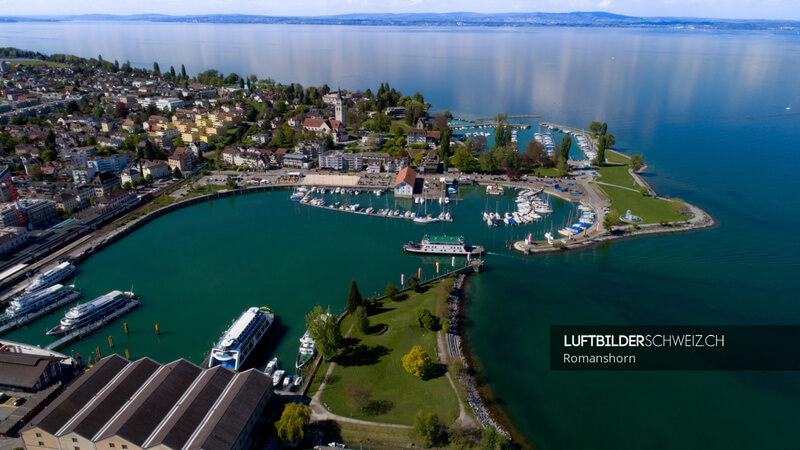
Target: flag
<point>419,272</point>
<point>402,279</point>
<point>453,262</point>
<point>598,227</point>
<point>584,231</point>
<point>469,256</point>
<point>437,267</point>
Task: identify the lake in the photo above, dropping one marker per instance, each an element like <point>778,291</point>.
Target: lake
<point>715,115</point>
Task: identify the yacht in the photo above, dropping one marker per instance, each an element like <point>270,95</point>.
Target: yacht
<point>50,277</point>
<point>239,340</point>
<point>96,310</point>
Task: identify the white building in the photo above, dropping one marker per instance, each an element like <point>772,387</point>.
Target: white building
<point>113,163</point>
<point>12,238</point>
<point>83,175</point>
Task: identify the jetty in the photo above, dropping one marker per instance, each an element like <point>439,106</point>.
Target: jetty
<point>12,323</point>
<point>92,327</point>
<point>388,213</point>
<point>477,126</point>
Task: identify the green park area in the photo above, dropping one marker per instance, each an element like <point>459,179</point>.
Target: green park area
<point>369,381</point>
<point>617,175</point>
<point>650,209</point>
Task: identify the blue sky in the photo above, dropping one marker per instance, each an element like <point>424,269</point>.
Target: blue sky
<point>737,9</point>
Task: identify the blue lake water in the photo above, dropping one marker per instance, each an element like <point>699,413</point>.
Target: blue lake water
<point>715,115</point>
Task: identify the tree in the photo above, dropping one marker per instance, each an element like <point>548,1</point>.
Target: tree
<point>491,440</point>
<point>428,426</point>
<point>172,72</point>
<point>487,161</point>
<point>566,143</point>
<point>49,155</point>
<point>328,142</point>
<point>126,185</point>
<point>156,69</point>
<point>595,126</point>
<point>361,319</point>
<point>382,123</point>
<point>562,168</point>
<point>425,318</point>
<point>358,396</point>
<point>354,299</point>
<point>391,292</point>
<point>177,173</point>
<point>98,111</point>
<point>183,71</point>
<point>601,150</point>
<point>464,161</point>
<point>231,183</point>
<point>324,328</point>
<point>636,162</point>
<point>121,110</point>
<point>610,219</point>
<point>680,206</point>
<point>293,420</point>
<point>413,282</point>
<point>444,147</point>
<point>417,362</point>
<point>610,140</point>
<point>603,129</point>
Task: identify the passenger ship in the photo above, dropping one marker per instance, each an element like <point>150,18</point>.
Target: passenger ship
<point>50,277</point>
<point>240,339</point>
<point>443,245</point>
<point>41,301</point>
<point>96,310</point>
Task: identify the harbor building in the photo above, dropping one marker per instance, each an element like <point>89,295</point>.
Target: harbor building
<point>36,213</point>
<point>404,184</point>
<point>140,405</point>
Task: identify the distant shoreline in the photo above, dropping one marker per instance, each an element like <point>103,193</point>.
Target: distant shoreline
<point>454,19</point>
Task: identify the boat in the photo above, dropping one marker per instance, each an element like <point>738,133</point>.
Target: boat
<point>40,301</point>
<point>287,381</point>
<point>277,377</point>
<point>239,340</point>
<point>443,245</point>
<point>298,380</point>
<point>96,310</point>
<point>50,277</point>
<point>307,350</point>
<point>272,366</point>
<point>424,220</point>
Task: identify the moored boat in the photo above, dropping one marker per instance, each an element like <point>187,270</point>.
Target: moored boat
<point>96,310</point>
<point>443,245</point>
<point>308,347</point>
<point>50,277</point>
<point>239,340</point>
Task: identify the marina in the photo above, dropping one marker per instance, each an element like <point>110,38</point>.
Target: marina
<point>346,205</point>
<point>28,307</point>
<point>86,328</point>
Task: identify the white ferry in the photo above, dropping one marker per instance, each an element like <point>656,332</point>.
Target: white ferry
<point>239,340</point>
<point>308,347</point>
<point>443,245</point>
<point>50,277</point>
<point>41,300</point>
<point>96,310</point>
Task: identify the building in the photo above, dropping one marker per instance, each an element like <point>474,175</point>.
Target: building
<point>297,160</point>
<point>338,108</point>
<point>28,372</point>
<point>129,175</point>
<point>66,201</point>
<point>183,160</point>
<point>117,199</point>
<point>113,163</point>
<point>126,405</point>
<point>312,148</point>
<point>156,169</point>
<point>417,136</point>
<point>37,213</point>
<point>104,182</point>
<point>395,164</point>
<point>404,183</point>
<point>83,175</point>
<point>339,160</point>
<point>11,238</point>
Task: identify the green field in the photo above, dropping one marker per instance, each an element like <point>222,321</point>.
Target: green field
<point>373,362</point>
<point>36,63</point>
<point>375,436</point>
<point>205,190</point>
<point>617,175</point>
<point>619,158</point>
<point>650,209</point>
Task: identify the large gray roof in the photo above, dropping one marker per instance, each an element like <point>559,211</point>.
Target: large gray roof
<point>20,370</point>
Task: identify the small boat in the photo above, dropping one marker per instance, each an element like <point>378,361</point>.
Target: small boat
<point>443,245</point>
<point>272,366</point>
<point>298,380</point>
<point>424,220</point>
<point>287,381</point>
<point>277,377</point>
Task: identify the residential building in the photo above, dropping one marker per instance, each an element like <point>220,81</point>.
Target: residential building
<point>113,163</point>
<point>66,201</point>
<point>156,169</point>
<point>129,175</point>
<point>183,160</point>
<point>36,212</point>
<point>117,199</point>
<point>104,182</point>
<point>11,238</point>
<point>339,160</point>
<point>311,148</point>
<point>404,183</point>
<point>297,160</point>
<point>119,404</point>
<point>417,136</point>
<point>83,175</point>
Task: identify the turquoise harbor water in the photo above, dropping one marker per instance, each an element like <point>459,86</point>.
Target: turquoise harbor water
<point>707,109</point>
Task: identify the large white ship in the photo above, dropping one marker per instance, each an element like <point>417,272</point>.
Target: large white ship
<point>50,277</point>
<point>239,340</point>
<point>443,245</point>
<point>96,310</point>
<point>38,301</point>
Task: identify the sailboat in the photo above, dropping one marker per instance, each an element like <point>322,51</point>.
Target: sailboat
<point>427,218</point>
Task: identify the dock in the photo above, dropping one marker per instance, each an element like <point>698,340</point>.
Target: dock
<point>363,213</point>
<point>521,126</point>
<point>16,322</point>
<point>88,329</point>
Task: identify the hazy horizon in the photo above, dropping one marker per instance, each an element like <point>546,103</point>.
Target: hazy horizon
<point>707,9</point>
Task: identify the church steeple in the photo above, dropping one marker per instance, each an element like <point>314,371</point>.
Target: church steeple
<point>338,106</point>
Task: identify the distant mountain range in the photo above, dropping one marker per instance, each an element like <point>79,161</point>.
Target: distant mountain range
<point>573,19</point>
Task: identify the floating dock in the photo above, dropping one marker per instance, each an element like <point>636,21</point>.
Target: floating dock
<point>16,322</point>
<point>88,329</point>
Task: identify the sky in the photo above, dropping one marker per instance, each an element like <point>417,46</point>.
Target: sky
<point>730,9</point>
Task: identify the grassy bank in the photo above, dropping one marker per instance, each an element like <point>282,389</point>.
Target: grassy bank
<point>650,209</point>
<point>617,175</point>
<point>372,363</point>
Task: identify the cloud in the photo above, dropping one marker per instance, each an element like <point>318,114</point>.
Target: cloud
<point>606,3</point>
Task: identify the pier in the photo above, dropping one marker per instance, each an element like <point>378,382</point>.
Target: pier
<point>521,126</point>
<point>307,201</point>
<point>88,329</point>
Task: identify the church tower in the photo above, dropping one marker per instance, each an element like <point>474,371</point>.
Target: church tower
<point>338,106</point>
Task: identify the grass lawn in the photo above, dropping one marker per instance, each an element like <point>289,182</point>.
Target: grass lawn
<point>617,175</point>
<point>613,157</point>
<point>547,172</point>
<point>650,209</point>
<point>356,434</point>
<point>374,362</point>
<point>36,63</point>
<point>204,190</point>
<point>399,124</point>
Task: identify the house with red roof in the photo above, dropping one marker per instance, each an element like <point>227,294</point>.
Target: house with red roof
<point>404,183</point>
